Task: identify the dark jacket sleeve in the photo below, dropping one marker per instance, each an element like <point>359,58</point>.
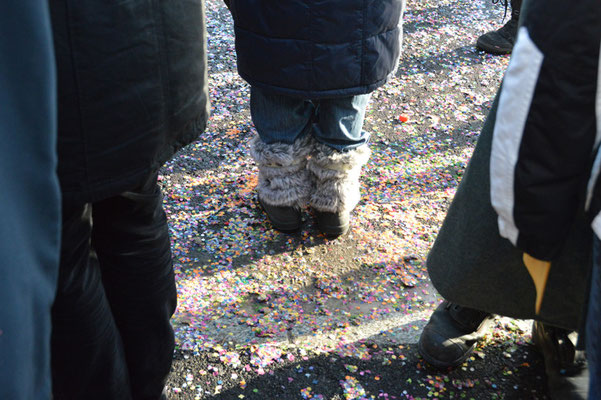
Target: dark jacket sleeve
<point>546,128</point>
<point>227,3</point>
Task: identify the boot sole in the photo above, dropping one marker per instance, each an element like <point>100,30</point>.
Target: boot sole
<point>330,230</point>
<point>282,226</point>
<point>333,232</point>
<point>491,49</point>
<point>444,365</point>
<point>480,332</point>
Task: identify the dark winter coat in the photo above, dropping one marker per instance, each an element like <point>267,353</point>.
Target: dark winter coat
<point>549,126</point>
<point>132,89</point>
<point>316,49</point>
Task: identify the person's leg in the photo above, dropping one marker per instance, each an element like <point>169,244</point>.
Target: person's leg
<point>29,199</point>
<point>87,355</point>
<point>340,152</point>
<point>281,151</point>
<point>339,122</point>
<point>566,367</point>
<point>593,325</point>
<point>131,238</point>
<point>280,119</point>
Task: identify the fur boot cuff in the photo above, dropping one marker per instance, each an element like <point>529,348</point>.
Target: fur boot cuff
<point>280,154</point>
<point>336,175</point>
<point>283,177</point>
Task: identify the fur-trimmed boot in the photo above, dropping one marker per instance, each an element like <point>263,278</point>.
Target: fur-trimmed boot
<point>336,192</point>
<point>284,183</point>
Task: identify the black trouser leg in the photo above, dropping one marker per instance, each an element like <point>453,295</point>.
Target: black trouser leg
<point>87,355</point>
<point>131,239</point>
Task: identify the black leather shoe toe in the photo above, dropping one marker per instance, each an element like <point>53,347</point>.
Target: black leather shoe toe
<point>451,334</point>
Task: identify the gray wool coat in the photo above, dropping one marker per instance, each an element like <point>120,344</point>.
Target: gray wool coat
<point>472,265</point>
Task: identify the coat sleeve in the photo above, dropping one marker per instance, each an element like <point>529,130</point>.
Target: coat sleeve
<point>546,128</point>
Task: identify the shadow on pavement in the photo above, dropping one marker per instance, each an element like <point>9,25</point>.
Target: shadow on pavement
<point>394,371</point>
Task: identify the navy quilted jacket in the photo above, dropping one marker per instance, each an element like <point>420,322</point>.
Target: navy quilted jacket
<point>317,48</point>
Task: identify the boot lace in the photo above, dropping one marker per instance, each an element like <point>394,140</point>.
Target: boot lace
<point>505,4</point>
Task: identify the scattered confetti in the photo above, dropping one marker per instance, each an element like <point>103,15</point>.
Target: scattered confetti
<point>252,300</point>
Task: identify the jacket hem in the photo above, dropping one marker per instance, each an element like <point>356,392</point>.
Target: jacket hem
<point>316,94</point>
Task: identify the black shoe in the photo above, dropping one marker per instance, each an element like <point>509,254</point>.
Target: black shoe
<point>502,40</point>
<point>451,335</point>
<point>332,224</point>
<point>565,367</point>
<point>284,219</point>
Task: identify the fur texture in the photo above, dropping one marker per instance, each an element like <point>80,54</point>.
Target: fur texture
<point>283,176</point>
<point>336,177</point>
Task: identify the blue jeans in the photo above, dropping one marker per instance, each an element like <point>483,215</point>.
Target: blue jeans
<point>337,123</point>
<point>593,325</point>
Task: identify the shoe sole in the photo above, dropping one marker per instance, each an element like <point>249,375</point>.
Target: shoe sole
<point>442,365</point>
<point>334,232</point>
<point>497,51</point>
<point>285,228</point>
<point>282,226</point>
<point>457,362</point>
<point>330,231</point>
